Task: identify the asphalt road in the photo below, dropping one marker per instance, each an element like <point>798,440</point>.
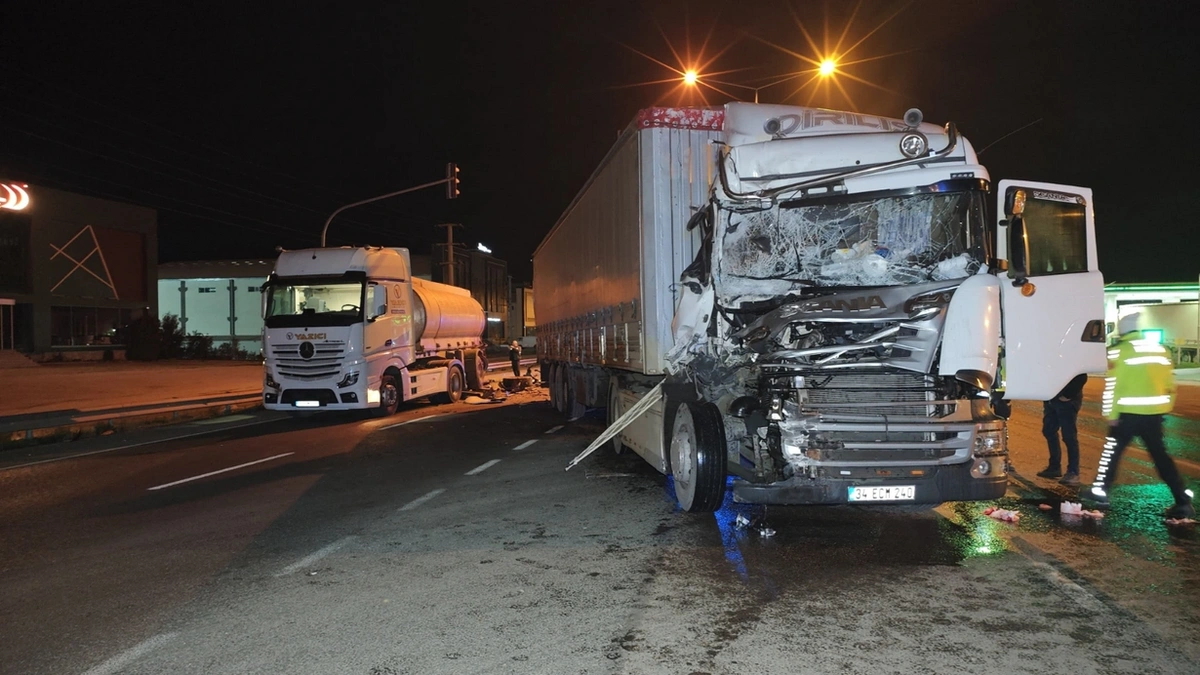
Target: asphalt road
<point>457,544</point>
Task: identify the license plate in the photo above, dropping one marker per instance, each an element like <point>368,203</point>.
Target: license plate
<point>882,493</point>
<point>308,404</point>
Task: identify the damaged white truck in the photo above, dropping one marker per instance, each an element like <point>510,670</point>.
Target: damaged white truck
<point>812,306</point>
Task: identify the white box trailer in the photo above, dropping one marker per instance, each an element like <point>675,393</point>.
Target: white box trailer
<point>605,277</point>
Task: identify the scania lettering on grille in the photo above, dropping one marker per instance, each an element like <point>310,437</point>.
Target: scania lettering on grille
<point>860,304</point>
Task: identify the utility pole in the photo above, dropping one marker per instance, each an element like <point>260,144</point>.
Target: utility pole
<point>449,250</point>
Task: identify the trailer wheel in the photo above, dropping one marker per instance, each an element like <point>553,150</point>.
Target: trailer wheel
<point>614,411</point>
<point>560,382</point>
<point>476,369</point>
<point>551,380</point>
<point>698,457</point>
<point>568,393</point>
<point>454,387</point>
<point>389,397</point>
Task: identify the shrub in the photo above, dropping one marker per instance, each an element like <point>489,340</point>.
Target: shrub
<point>172,337</point>
<point>198,346</point>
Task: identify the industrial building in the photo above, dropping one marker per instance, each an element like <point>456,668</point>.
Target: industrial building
<point>1170,314</point>
<point>75,271</point>
<point>221,299</point>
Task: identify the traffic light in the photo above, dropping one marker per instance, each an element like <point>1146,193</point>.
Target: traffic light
<point>451,180</point>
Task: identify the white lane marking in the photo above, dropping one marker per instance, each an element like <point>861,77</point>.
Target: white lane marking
<point>418,419</point>
<point>118,662</point>
<point>135,445</point>
<point>526,444</point>
<point>422,499</point>
<point>213,473</point>
<point>1078,593</point>
<point>550,431</point>
<point>314,557</point>
<point>482,467</point>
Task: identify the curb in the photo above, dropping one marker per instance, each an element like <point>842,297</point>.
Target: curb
<point>87,426</point>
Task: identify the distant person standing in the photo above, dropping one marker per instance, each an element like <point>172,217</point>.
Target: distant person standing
<point>1139,390</point>
<point>1059,414</point>
<point>514,355</point>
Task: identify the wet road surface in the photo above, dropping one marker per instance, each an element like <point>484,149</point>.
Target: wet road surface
<point>457,544</point>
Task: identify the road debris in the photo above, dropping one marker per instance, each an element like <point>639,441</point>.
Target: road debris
<point>1045,507</point>
<point>1071,508</point>
<point>1094,514</point>
<point>1002,514</point>
<point>1180,521</point>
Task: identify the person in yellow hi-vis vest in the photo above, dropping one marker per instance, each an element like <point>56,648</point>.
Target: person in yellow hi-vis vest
<point>1139,390</point>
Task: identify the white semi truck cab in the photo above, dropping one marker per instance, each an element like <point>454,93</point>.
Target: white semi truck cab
<point>352,329</point>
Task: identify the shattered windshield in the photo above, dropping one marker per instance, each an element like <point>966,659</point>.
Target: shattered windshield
<point>851,241</point>
<point>318,303</point>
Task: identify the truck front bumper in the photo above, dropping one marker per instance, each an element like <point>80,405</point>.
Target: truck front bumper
<point>947,483</point>
<point>317,397</point>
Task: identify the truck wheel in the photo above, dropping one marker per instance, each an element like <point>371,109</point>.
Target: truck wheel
<point>389,397</point>
<point>454,387</point>
<point>556,386</point>
<point>614,411</point>
<point>476,369</point>
<point>698,457</point>
<point>548,382</point>
<point>567,396</point>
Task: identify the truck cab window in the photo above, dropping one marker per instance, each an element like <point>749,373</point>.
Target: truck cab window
<point>1057,233</point>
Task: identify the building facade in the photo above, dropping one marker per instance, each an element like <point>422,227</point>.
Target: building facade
<point>75,271</point>
<point>218,298</point>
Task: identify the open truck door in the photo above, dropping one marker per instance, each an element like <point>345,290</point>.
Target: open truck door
<point>1053,298</point>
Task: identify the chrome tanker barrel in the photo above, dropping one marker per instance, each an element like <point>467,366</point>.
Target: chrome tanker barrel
<point>445,313</point>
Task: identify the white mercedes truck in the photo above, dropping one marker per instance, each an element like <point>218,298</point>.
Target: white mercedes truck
<point>352,329</point>
<point>811,306</point>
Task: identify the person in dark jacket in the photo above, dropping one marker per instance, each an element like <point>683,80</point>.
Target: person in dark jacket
<point>1059,415</point>
<point>514,355</point>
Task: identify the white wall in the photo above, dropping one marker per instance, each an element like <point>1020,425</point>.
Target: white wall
<point>205,304</point>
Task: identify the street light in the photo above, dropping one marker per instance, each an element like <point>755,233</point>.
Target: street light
<point>826,69</point>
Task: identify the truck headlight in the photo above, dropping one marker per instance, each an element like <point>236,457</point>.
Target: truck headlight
<point>348,380</point>
<point>269,382</point>
<point>989,443</point>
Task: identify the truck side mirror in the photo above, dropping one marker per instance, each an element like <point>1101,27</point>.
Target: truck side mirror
<point>378,302</point>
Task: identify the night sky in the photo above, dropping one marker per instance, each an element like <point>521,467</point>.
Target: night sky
<point>246,124</point>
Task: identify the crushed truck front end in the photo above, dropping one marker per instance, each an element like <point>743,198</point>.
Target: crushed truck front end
<point>846,329</point>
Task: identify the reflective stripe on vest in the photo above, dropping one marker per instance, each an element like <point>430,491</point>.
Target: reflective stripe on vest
<point>1143,400</point>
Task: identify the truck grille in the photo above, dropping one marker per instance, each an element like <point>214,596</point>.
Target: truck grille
<point>326,360</point>
<point>851,393</point>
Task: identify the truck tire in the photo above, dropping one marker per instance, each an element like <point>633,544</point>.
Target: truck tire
<point>568,393</point>
<point>454,387</point>
<point>551,382</point>
<point>698,457</point>
<point>476,366</point>
<point>614,411</point>
<point>389,397</point>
